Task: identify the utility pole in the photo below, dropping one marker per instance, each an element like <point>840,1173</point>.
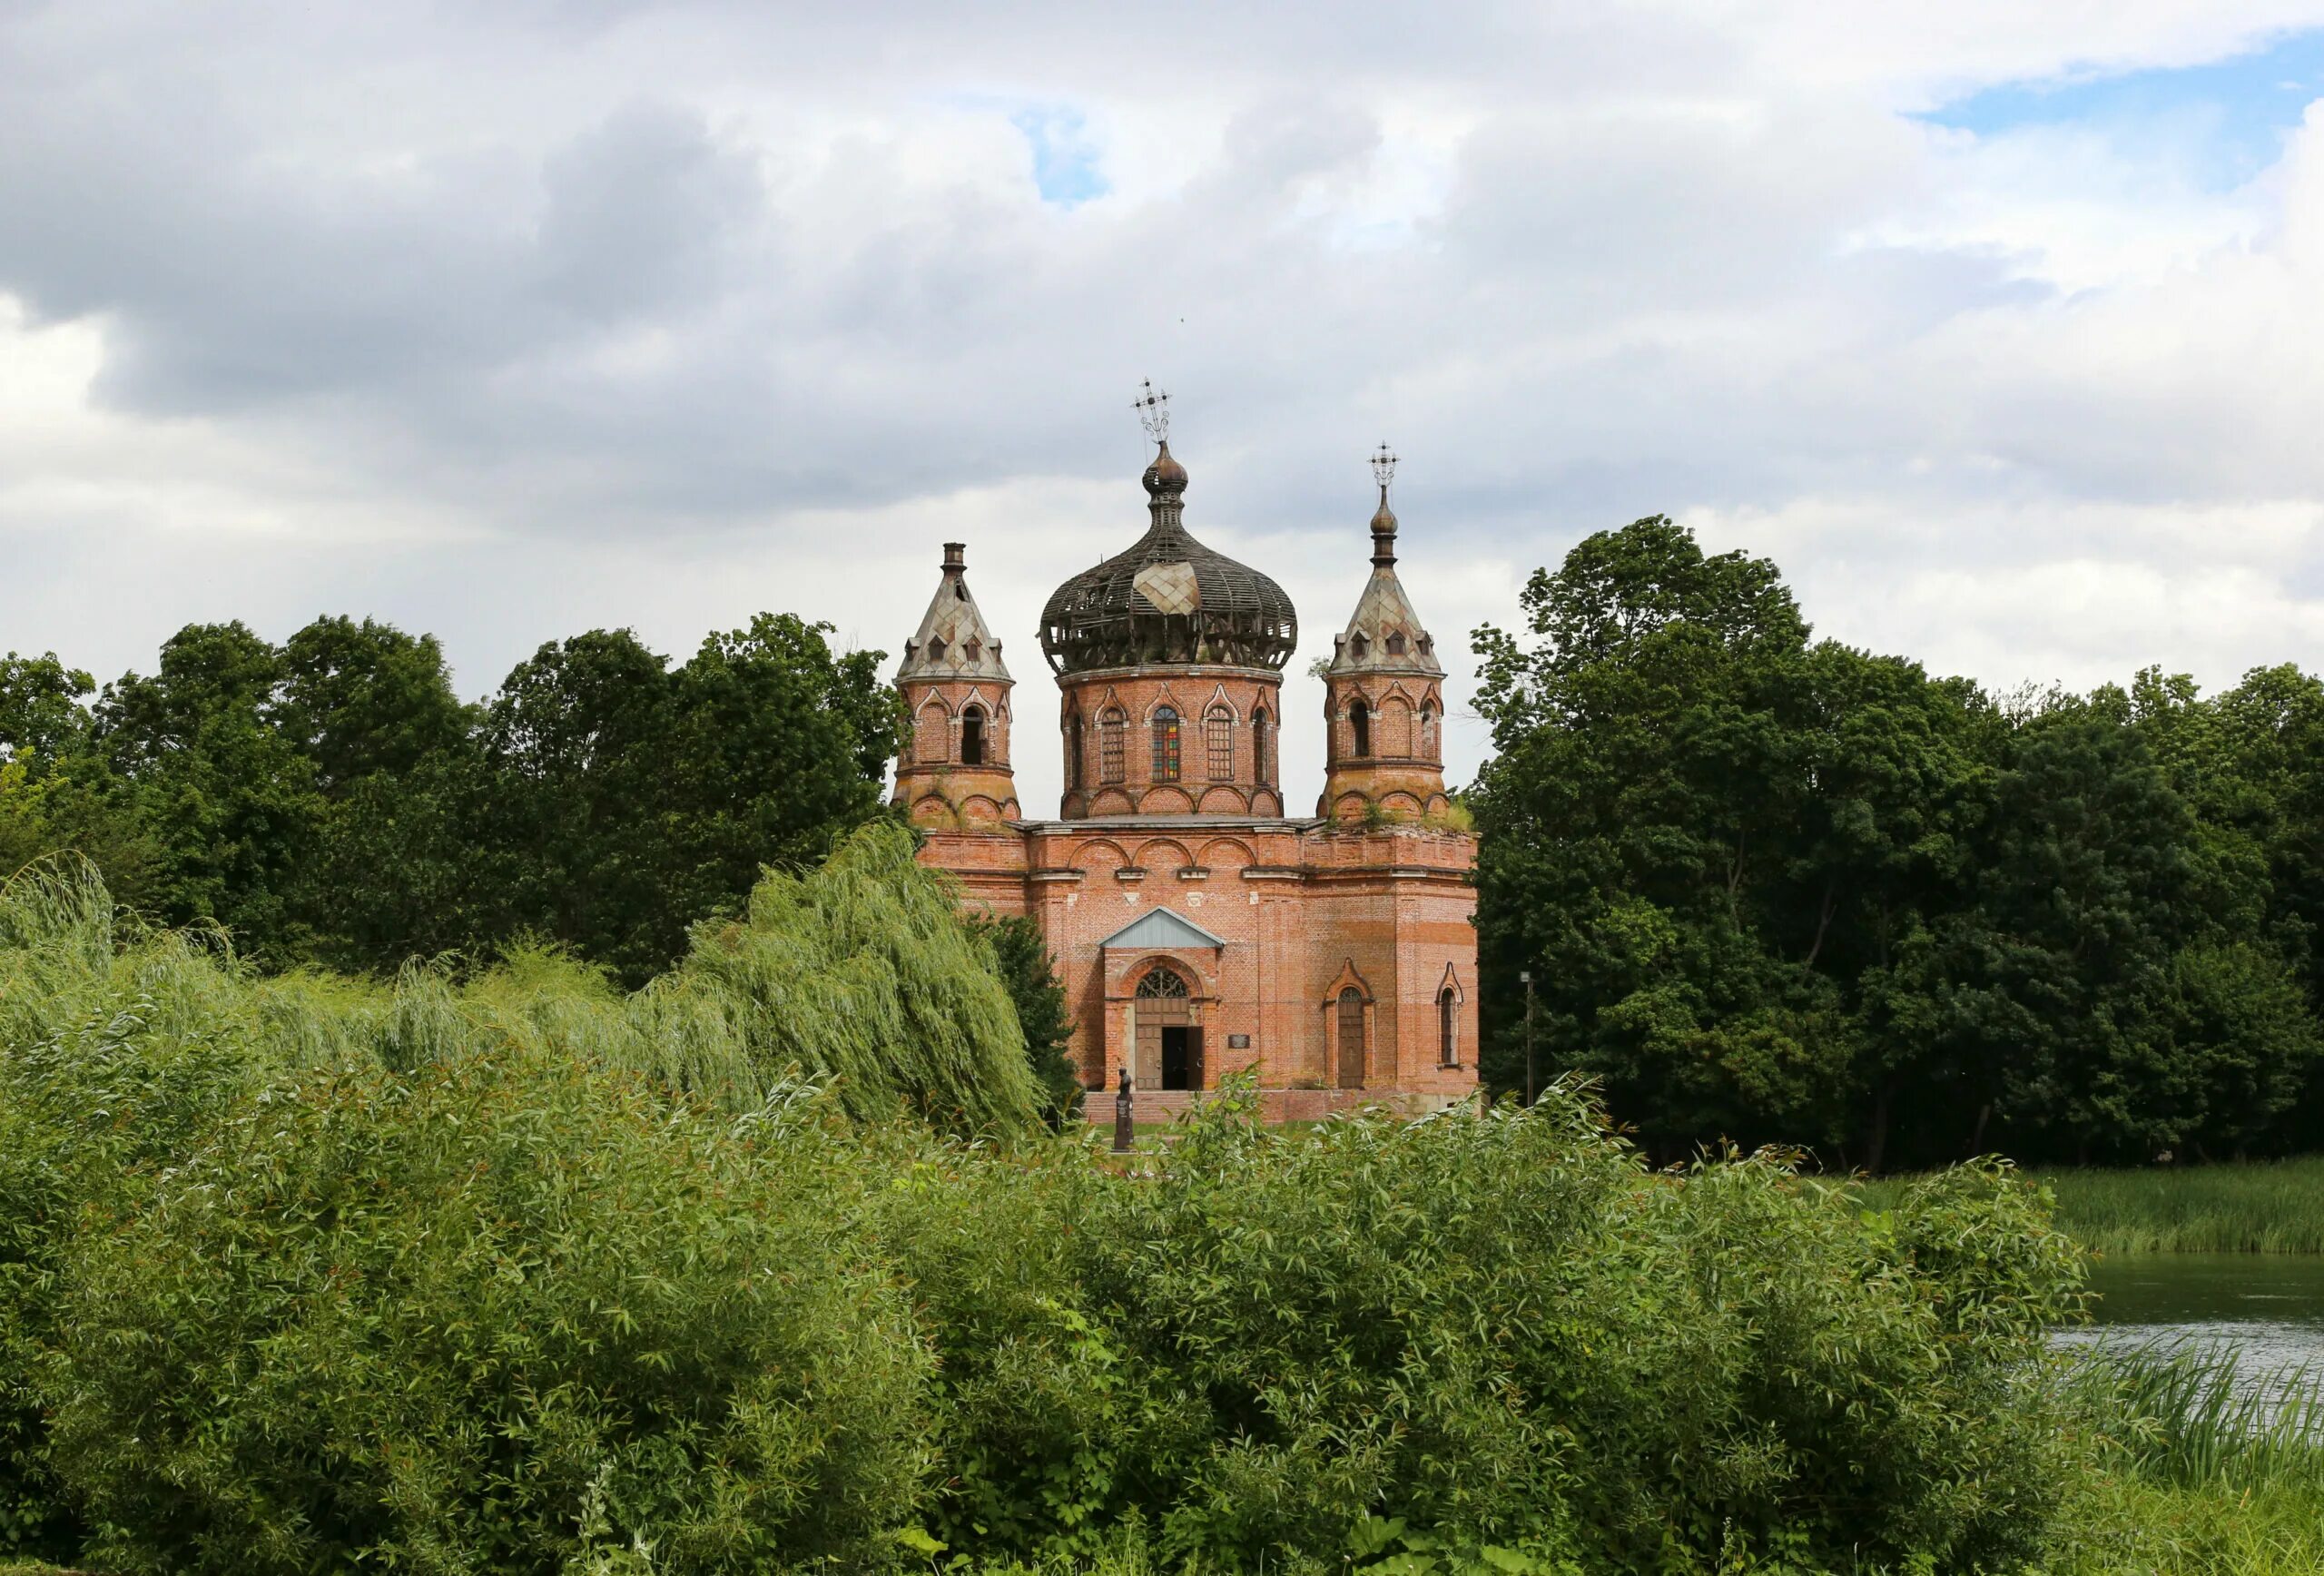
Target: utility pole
<point>1526,975</point>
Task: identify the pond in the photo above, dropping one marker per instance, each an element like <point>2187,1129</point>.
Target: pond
<point>2268,1307</point>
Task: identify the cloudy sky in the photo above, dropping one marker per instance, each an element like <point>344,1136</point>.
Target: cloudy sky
<point>1999,326</point>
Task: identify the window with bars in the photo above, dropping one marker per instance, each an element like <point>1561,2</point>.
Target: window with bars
<point>1166,744</point>
<point>1262,750</point>
<point>1218,737</point>
<point>1113,730</point>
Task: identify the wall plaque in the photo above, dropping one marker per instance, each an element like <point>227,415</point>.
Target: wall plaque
<point>1238,1042</point>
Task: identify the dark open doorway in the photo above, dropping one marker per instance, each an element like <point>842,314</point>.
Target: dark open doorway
<point>1181,1058</point>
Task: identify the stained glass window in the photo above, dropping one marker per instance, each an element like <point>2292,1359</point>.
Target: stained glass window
<point>1166,744</point>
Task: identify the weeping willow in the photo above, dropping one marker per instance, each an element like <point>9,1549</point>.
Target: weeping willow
<point>858,976</point>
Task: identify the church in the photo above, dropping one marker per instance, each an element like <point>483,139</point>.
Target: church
<point>1199,929</point>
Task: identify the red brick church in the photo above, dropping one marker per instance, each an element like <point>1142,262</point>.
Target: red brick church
<point>1197,929</point>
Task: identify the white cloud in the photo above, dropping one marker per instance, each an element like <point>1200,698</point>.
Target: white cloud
<point>506,324</point>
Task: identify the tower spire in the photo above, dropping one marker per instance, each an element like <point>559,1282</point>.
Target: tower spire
<point>1384,519</point>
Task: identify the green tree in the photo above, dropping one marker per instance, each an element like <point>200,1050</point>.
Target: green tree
<point>393,870</point>
<point>227,797</point>
<point>57,793</point>
<point>1023,955</point>
<point>628,801</point>
<point>1772,889</point>
<point>1713,842</point>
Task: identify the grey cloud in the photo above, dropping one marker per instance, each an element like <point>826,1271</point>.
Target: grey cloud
<point>605,282</point>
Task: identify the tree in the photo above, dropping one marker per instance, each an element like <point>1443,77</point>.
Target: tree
<point>1022,954</point>
<point>229,801</point>
<point>1777,890</point>
<point>57,794</point>
<point>629,801</point>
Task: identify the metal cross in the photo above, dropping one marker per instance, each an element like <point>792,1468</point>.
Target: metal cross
<point>1153,409</point>
<point>1383,468</point>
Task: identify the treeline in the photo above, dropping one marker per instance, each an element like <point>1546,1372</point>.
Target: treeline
<point>1772,889</point>
<point>332,801</point>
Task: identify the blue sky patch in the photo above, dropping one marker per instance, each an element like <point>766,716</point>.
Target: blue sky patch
<point>1065,159</point>
<point>2227,118</point>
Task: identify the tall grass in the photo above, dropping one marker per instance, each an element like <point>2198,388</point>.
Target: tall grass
<point>2190,1474</point>
<point>2189,1417</point>
<point>2264,1207</point>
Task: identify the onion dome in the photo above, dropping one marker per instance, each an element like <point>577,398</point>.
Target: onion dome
<point>1168,599</point>
<point>952,641</point>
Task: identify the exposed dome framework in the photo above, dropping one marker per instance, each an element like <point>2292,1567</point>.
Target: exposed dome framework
<point>1168,599</point>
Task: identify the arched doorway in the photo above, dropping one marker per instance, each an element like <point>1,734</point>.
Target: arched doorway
<point>1169,1038</point>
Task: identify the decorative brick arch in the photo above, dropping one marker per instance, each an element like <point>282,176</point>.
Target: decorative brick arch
<point>1103,853</point>
<point>1391,726</point>
<point>1167,799</point>
<point>1227,853</point>
<point>932,730</point>
<point>1447,1000</point>
<point>1164,853</point>
<point>1224,800</point>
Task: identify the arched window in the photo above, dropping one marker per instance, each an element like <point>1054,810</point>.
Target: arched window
<point>1428,733</point>
<point>1262,749</point>
<point>972,736</point>
<point>1448,1023</point>
<point>1166,744</point>
<point>1219,736</point>
<point>1350,1017</point>
<point>1163,983</point>
<point>1073,752</point>
<point>1112,731</point>
<point>1359,728</point>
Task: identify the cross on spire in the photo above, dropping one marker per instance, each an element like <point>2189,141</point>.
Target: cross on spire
<point>1153,408</point>
<point>1383,468</point>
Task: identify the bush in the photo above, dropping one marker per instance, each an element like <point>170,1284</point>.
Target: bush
<point>426,1320</point>
<point>525,1275</point>
<point>1497,1331</point>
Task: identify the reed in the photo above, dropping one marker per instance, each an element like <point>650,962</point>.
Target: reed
<point>2261,1206</point>
<point>2190,1475</point>
<point>2179,1415</point>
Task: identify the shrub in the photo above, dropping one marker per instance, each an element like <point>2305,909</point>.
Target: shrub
<point>111,1063</point>
<point>1497,1331</point>
<point>423,1320</point>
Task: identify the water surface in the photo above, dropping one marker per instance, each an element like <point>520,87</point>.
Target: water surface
<point>2269,1308</point>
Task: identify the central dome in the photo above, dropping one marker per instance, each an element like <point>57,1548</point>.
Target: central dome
<point>1168,599</point>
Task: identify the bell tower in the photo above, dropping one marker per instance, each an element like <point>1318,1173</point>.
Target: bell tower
<point>1384,695</point>
<point>953,773</point>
